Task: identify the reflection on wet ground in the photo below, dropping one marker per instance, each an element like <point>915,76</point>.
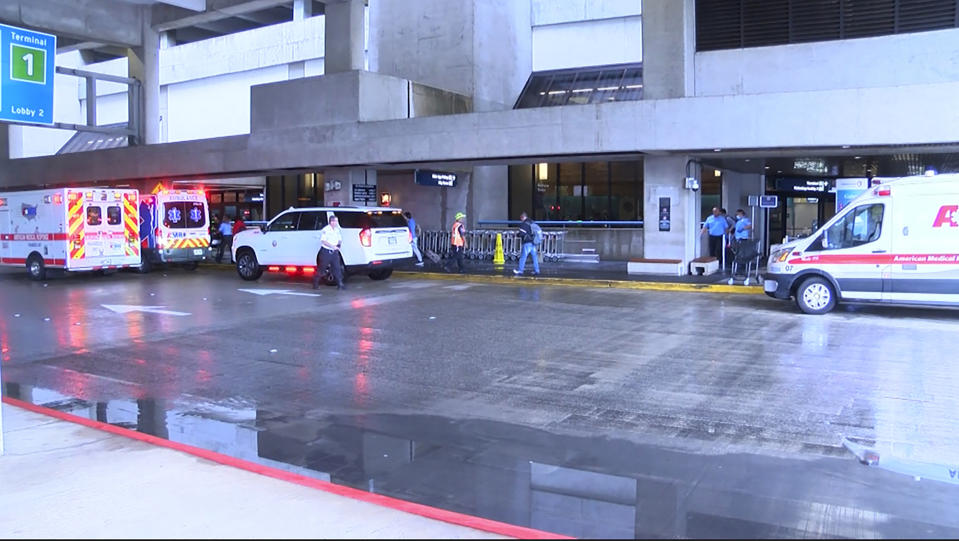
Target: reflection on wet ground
<point>579,486</point>
<point>587,412</point>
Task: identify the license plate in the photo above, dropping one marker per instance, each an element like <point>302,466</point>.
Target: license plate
<point>198,251</point>
<point>392,240</point>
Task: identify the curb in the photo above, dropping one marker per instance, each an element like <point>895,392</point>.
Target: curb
<point>434,513</point>
<point>586,282</point>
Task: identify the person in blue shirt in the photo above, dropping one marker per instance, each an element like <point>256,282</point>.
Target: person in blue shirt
<point>716,226</point>
<point>226,240</point>
<point>743,225</point>
<point>411,223</point>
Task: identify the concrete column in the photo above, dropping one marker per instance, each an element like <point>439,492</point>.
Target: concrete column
<point>664,177</point>
<point>143,63</point>
<point>4,142</point>
<point>302,9</point>
<point>490,197</point>
<point>345,40</point>
<point>669,48</point>
<point>347,178</point>
<point>478,48</point>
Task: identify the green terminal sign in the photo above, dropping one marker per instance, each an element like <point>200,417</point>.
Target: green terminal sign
<point>27,61</point>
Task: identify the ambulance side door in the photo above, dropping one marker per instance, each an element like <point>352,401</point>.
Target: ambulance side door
<point>855,251</point>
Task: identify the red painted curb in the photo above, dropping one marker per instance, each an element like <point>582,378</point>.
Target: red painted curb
<point>460,519</point>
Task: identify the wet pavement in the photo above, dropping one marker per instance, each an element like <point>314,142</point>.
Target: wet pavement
<point>586,412</point>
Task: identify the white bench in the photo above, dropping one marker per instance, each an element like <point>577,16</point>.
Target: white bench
<point>705,265</point>
<point>655,266</point>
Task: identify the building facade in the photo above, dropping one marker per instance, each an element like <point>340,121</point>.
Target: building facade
<point>589,115</point>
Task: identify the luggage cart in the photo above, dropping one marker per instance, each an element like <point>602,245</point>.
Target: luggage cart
<point>746,257</point>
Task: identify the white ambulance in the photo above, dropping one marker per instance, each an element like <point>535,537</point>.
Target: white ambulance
<point>897,243</point>
<point>76,229</point>
<point>174,228</point>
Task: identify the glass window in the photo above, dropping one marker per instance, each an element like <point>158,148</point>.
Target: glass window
<point>285,222</point>
<point>861,225</point>
<point>571,191</point>
<point>312,221</point>
<point>594,84</point>
<point>94,214</point>
<point>626,189</point>
<point>596,191</point>
<point>113,215</point>
<point>362,220</point>
<point>195,214</point>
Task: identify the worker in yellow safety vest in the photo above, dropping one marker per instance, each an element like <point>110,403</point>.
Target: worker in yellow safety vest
<point>457,244</point>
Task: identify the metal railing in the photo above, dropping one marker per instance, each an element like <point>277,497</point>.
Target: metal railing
<point>567,223</point>
<point>481,244</point>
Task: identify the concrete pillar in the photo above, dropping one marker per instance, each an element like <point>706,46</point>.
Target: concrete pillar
<point>343,196</point>
<point>490,198</point>
<point>664,178</point>
<point>143,63</point>
<point>345,42</point>
<point>302,9</point>
<point>669,48</point>
<point>478,48</point>
<point>4,142</point>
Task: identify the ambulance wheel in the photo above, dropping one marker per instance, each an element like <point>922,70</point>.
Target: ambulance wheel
<point>35,267</point>
<point>191,265</point>
<point>247,266</point>
<point>145,265</point>
<point>815,296</point>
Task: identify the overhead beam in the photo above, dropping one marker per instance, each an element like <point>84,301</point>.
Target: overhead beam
<point>105,21</point>
<point>228,26</point>
<point>194,5</point>
<point>167,17</point>
<point>267,17</point>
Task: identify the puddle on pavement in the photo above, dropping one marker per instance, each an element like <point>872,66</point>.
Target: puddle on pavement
<point>583,487</point>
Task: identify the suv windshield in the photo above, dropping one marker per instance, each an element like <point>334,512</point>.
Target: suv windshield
<point>363,220</point>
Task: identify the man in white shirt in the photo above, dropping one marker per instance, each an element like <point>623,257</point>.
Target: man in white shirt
<point>330,242</point>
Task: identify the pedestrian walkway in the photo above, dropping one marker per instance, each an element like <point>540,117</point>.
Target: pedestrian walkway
<point>603,271</point>
<point>64,480</point>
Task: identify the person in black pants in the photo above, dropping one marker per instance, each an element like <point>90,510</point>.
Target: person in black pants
<point>330,242</point>
<point>716,227</point>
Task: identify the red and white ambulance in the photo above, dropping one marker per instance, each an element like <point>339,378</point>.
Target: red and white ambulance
<point>896,243</point>
<point>75,229</point>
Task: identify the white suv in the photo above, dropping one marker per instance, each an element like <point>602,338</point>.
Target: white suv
<point>374,238</point>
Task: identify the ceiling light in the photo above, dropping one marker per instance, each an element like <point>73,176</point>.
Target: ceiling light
<point>717,150</point>
<point>716,173</point>
<point>845,146</point>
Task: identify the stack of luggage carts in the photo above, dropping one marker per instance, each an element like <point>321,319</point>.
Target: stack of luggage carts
<point>746,256</point>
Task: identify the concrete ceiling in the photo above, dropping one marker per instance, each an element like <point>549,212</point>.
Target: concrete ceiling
<point>103,29</point>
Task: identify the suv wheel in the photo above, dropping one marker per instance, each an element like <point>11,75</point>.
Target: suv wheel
<point>381,274</point>
<point>247,266</point>
<point>815,296</point>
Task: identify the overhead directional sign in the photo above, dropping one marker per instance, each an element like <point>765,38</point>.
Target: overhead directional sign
<point>262,292</point>
<point>426,177</point>
<point>27,64</point>
<point>127,308</point>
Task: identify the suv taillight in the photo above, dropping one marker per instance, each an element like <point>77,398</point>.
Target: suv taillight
<point>366,238</point>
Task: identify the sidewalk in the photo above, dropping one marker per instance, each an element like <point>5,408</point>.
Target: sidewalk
<point>65,480</point>
<point>600,274</point>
